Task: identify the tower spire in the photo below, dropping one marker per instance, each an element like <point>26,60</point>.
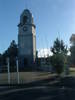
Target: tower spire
<point>26,4</point>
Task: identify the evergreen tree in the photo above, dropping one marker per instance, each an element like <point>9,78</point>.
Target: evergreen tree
<point>13,49</point>
<point>72,57</point>
<point>59,47</point>
<point>72,50</point>
<point>12,53</point>
<point>58,59</point>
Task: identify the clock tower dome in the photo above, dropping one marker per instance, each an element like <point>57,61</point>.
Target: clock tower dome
<point>26,39</point>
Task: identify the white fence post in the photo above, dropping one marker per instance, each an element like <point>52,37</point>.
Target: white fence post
<point>18,81</point>
<point>8,70</point>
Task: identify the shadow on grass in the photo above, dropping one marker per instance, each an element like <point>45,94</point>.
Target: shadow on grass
<point>54,93</point>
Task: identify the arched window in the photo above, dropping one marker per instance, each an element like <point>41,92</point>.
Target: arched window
<point>25,19</point>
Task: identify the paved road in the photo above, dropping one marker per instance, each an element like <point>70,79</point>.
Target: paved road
<point>65,91</point>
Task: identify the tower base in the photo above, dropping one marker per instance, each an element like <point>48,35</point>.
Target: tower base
<point>26,63</point>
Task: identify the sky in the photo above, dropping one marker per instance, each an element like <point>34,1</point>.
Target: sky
<point>53,18</point>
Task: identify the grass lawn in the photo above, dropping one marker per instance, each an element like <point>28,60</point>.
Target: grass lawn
<point>25,77</point>
<point>72,71</point>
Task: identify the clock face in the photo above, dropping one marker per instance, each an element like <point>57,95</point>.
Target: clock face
<point>25,28</point>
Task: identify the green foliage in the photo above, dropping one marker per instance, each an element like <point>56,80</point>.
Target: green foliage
<point>11,52</point>
<point>72,58</point>
<point>0,58</point>
<point>58,59</point>
<point>58,62</point>
<point>59,47</point>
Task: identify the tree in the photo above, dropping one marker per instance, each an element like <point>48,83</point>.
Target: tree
<point>0,57</point>
<point>72,57</point>
<point>58,59</point>
<point>72,50</point>
<point>13,49</point>
<point>12,53</point>
<point>59,47</point>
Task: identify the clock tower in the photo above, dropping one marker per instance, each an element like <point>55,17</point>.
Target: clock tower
<point>26,39</point>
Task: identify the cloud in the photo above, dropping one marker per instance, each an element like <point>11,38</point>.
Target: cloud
<point>44,52</point>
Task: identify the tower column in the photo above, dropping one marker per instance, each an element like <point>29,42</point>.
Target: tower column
<point>26,40</point>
